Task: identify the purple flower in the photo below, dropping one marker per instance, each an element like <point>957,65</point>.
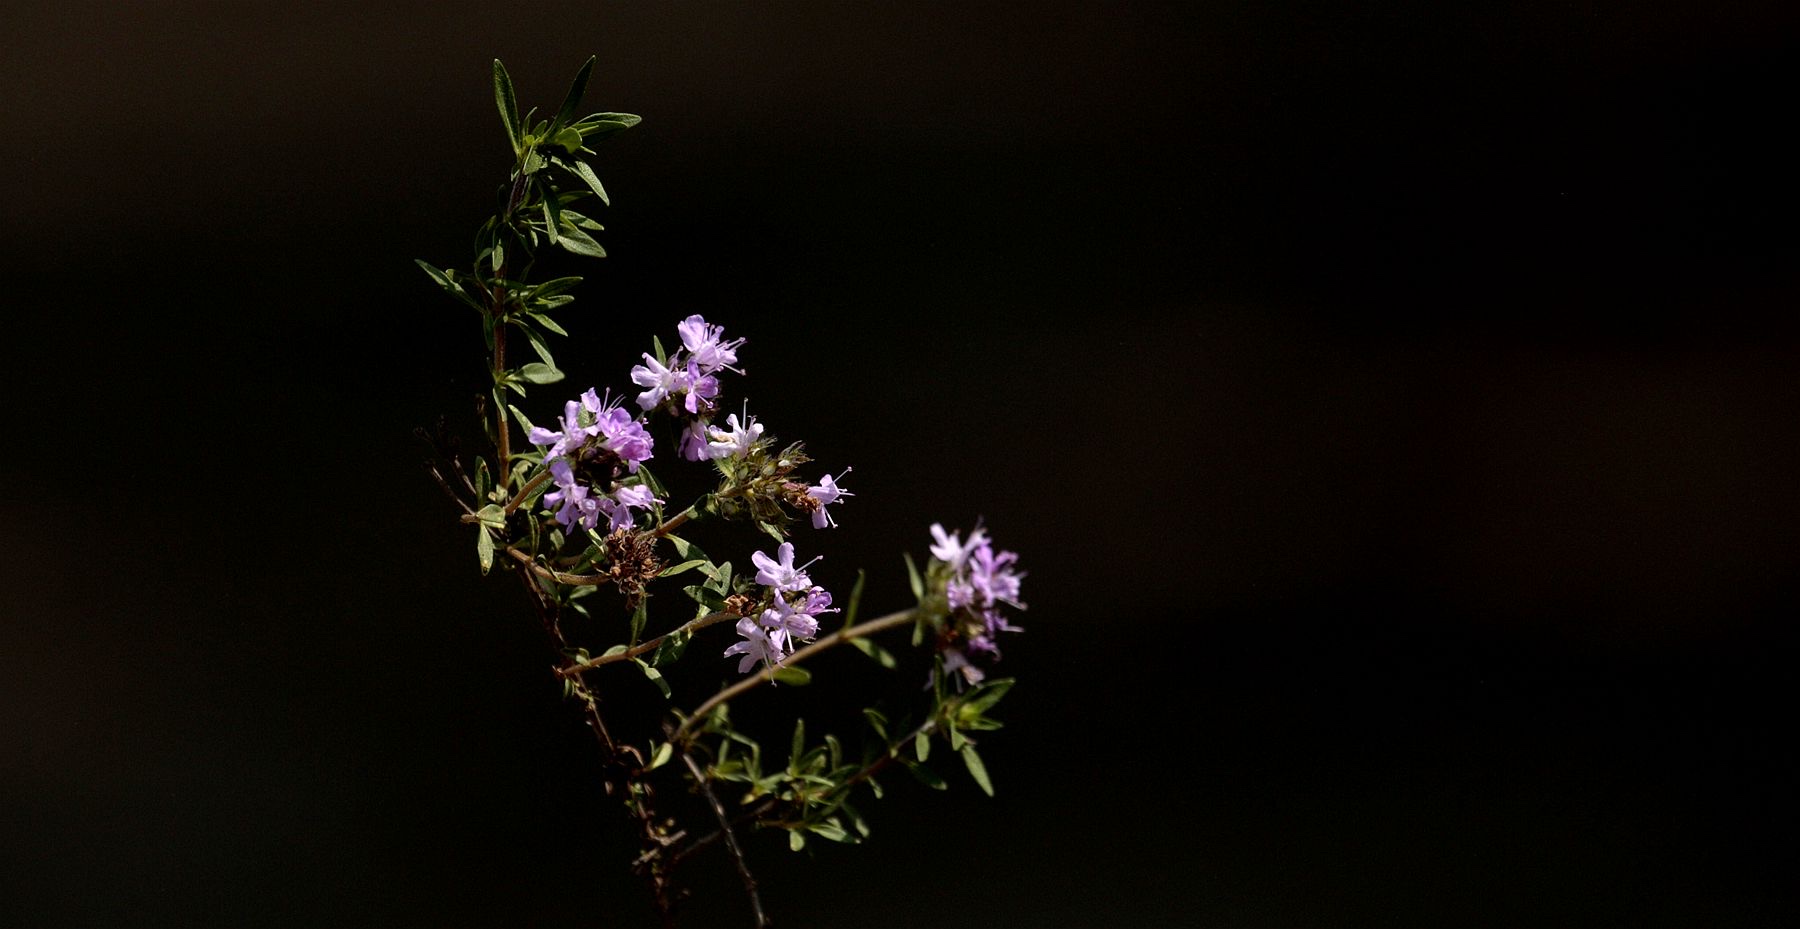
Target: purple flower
<point>736,441</point>
<point>573,502</point>
<point>701,388</point>
<point>704,343</point>
<point>756,647</point>
<point>826,492</point>
<point>957,661</point>
<point>658,380</point>
<point>622,435</point>
<point>780,572</point>
<point>785,624</point>
<point>563,444</point>
<point>953,552</point>
<point>618,507</point>
<point>991,576</point>
<point>693,442</point>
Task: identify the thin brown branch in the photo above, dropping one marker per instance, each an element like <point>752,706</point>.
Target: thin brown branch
<point>731,842</point>
<point>833,640</point>
<point>647,645</point>
<point>674,522</point>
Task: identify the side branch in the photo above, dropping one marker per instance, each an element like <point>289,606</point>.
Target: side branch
<point>833,640</point>
<point>648,645</point>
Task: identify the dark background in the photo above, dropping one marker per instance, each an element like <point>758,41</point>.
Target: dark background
<point>1394,405</point>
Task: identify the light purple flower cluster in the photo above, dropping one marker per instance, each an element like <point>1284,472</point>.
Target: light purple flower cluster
<point>690,375</point>
<point>796,605</point>
<point>607,428</point>
<point>981,580</point>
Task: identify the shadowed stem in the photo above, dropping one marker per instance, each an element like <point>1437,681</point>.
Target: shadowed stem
<point>731,842</point>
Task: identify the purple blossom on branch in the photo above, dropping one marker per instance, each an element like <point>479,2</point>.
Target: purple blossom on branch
<point>756,646</point>
<point>736,441</point>
<point>780,572</point>
<point>826,492</point>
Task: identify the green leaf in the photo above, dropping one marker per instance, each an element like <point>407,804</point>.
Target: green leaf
<point>565,114</point>
<point>669,650</point>
<point>537,373</point>
<point>588,177</point>
<point>654,675</point>
<point>549,324</point>
<point>877,722</point>
<point>662,357</point>
<point>856,602</point>
<point>568,139</point>
<point>613,650</point>
<point>829,831</point>
<point>555,286</point>
<point>574,240</point>
<point>977,770</point>
<point>661,757</point>
<point>551,220</point>
<point>796,841</point>
<point>799,744</point>
<point>524,421</point>
<point>793,677</point>
<point>537,343</point>
<point>988,693</point>
<point>484,549</point>
<point>450,286</point>
<point>772,530</point>
<point>507,103</point>
<point>881,655</point>
<point>922,746</point>
<point>601,125</point>
<point>926,776</point>
<point>912,577</point>
<point>684,548</point>
<point>492,515</point>
<point>684,566</point>
<point>638,617</point>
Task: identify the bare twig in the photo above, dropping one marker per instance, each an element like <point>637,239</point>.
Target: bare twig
<point>731,842</point>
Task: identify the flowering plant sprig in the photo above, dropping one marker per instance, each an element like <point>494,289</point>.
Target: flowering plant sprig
<point>582,506</point>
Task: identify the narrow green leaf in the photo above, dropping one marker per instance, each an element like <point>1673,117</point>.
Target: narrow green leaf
<point>589,178</point>
<point>856,601</point>
<point>829,831</point>
<point>684,566</point>
<point>540,373</point>
<point>568,139</point>
<point>877,722</point>
<point>799,744</point>
<point>655,676</point>
<point>927,776</point>
<point>566,113</point>
<point>977,770</point>
<point>662,357</point>
<point>524,421</point>
<point>912,577</point>
<point>492,515</point>
<point>638,618</point>
<point>662,755</point>
<point>881,655</point>
<point>550,220</point>
<point>793,677</point>
<point>549,324</point>
<point>507,103</point>
<point>684,548</point>
<point>613,650</point>
<point>989,693</point>
<point>484,549</point>
<point>796,841</point>
<point>574,240</point>
<point>922,746</point>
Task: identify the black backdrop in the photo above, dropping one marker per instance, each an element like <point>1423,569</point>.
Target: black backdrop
<point>1394,407</point>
